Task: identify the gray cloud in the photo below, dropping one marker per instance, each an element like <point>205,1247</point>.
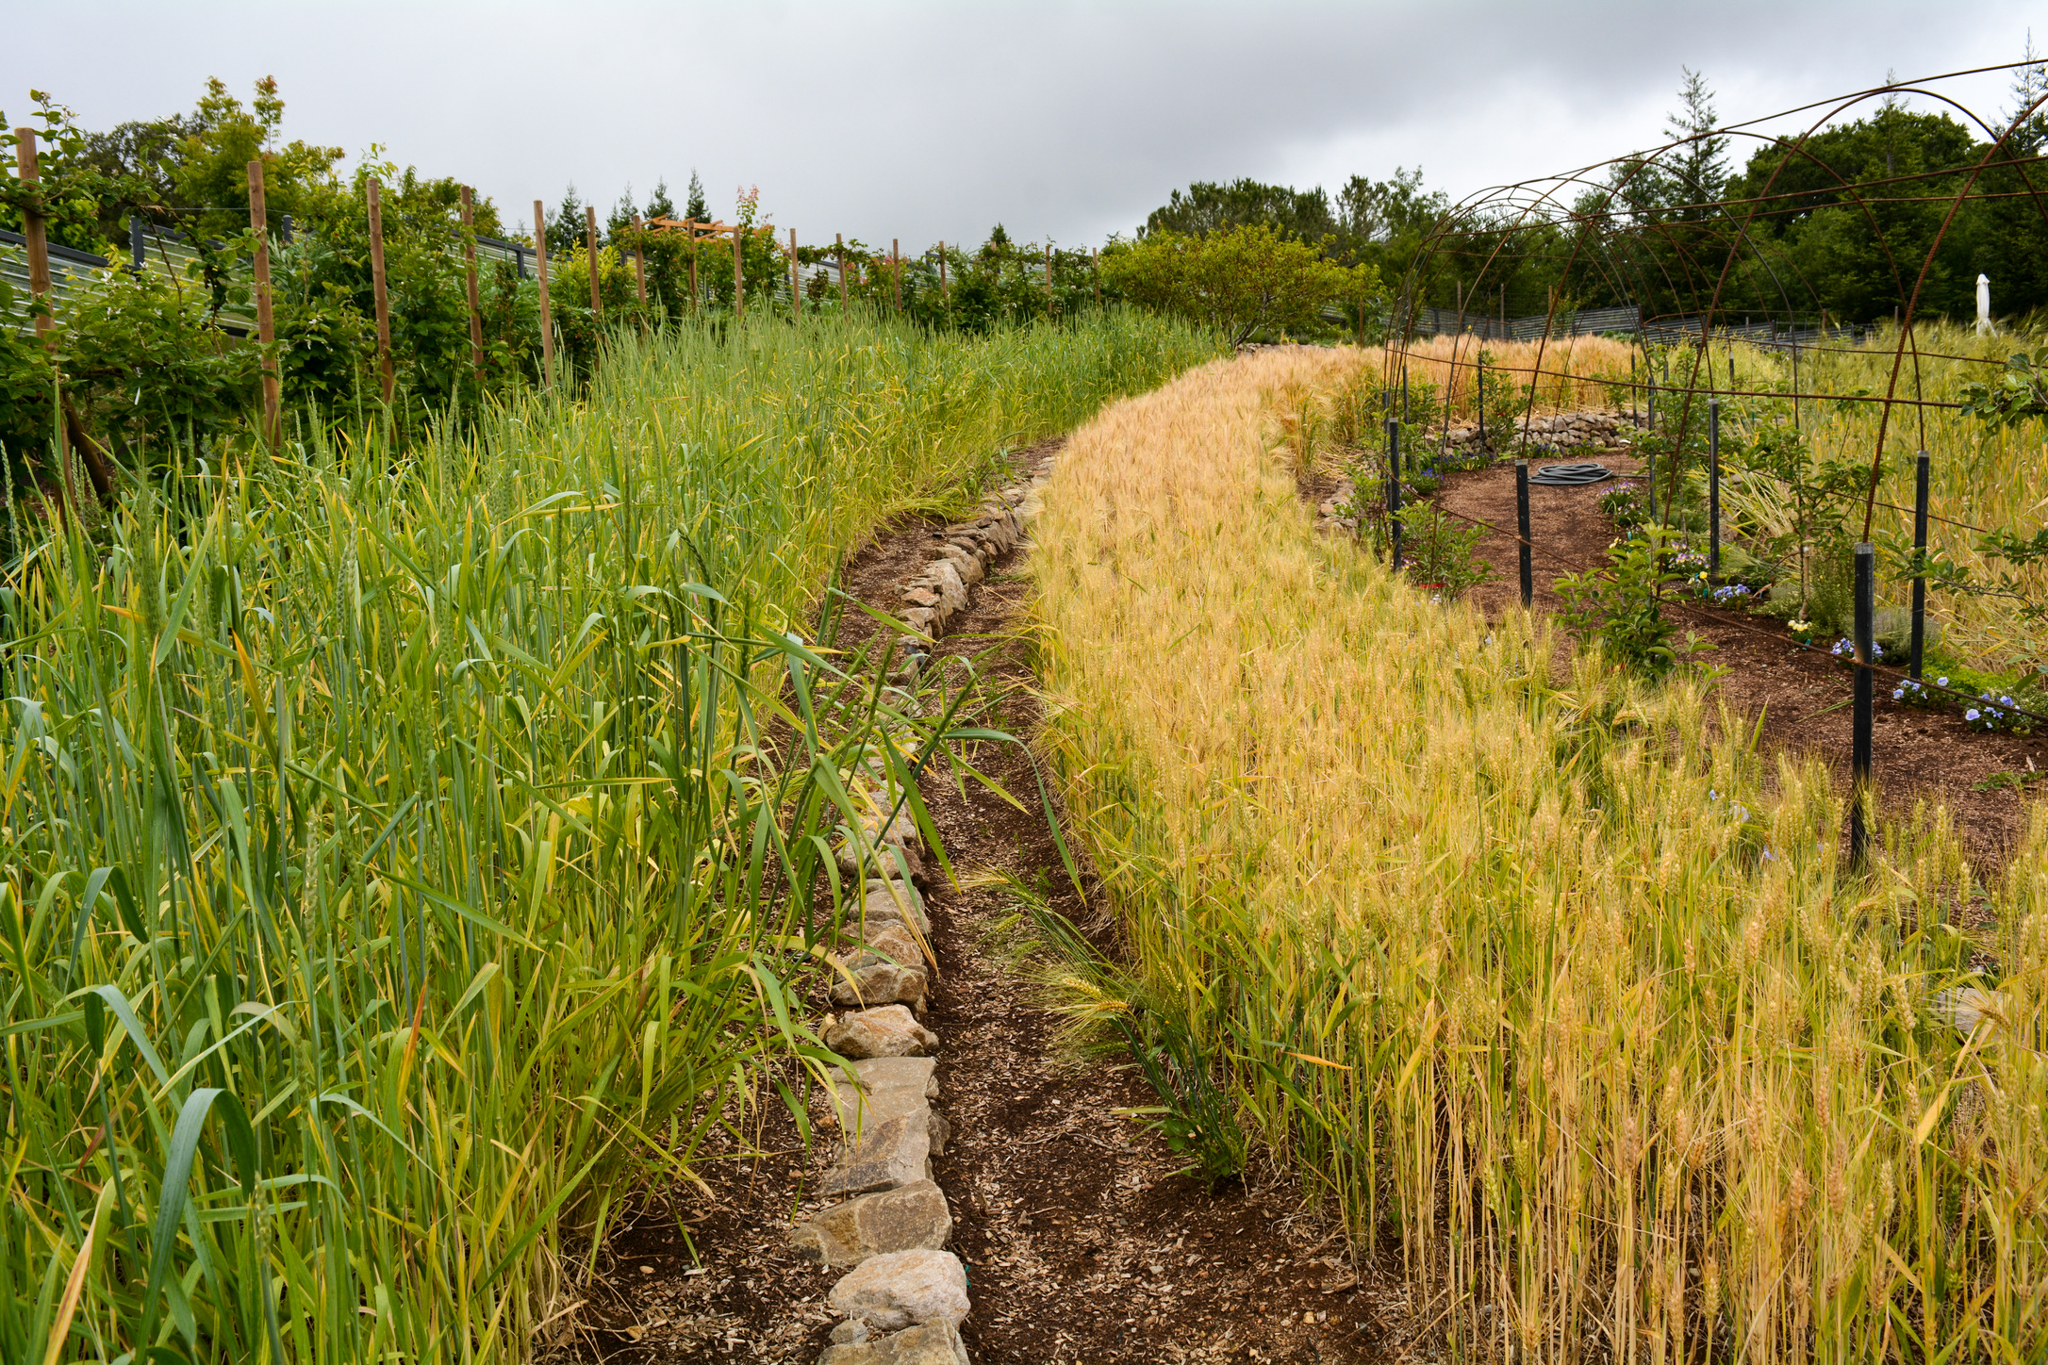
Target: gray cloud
<point>926,121</point>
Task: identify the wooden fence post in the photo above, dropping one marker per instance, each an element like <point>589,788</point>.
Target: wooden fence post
<point>694,296</point>
<point>945,293</point>
<point>547,316</point>
<point>796,280</point>
<point>840,252</point>
<point>71,434</point>
<point>266,332</point>
<point>1048,267</point>
<point>33,231</point>
<point>476,312</point>
<point>387,377</point>
<point>590,250</point>
<point>639,260</point>
<point>1095,265</point>
<point>739,273</point>
<point>36,236</point>
<point>896,269</point>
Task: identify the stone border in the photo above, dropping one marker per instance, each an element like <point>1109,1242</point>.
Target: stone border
<point>904,1296</point>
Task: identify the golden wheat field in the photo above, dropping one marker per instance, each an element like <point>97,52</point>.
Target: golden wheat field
<point>1569,372</point>
<point>1542,981</point>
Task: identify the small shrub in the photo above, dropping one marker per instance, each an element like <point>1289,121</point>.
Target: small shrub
<point>1441,550</point>
<point>1619,608</point>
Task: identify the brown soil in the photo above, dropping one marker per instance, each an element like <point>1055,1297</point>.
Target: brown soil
<point>1082,1243</point>
<point>1801,694</point>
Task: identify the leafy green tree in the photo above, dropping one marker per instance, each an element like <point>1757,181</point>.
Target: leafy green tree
<point>1387,224</point>
<point>138,159</point>
<point>70,185</point>
<point>1383,212</point>
<point>660,205</point>
<point>1209,207</point>
<point>1002,282</point>
<point>210,172</point>
<point>695,208</point>
<point>149,359</point>
<point>27,398</point>
<point>2006,233</point>
<point>1243,281</point>
<point>1855,251</point>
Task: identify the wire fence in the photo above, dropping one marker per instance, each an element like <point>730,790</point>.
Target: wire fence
<point>169,255</point>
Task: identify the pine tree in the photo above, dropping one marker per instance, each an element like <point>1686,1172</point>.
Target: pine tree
<point>696,207</point>
<point>661,206</point>
<point>1699,167</point>
<point>2029,84</point>
<point>621,216</point>
<point>565,228</point>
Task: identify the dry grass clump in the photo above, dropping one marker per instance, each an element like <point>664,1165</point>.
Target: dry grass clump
<point>1537,979</point>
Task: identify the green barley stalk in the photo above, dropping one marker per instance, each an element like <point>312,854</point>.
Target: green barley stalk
<point>406,852</point>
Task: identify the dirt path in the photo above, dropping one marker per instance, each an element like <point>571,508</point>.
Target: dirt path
<point>1801,694</point>
<point>1083,1246</point>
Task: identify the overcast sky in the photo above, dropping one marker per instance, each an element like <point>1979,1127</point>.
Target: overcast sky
<point>934,121</point>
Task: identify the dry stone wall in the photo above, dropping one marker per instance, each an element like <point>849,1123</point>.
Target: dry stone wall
<point>1336,514</point>
<point>903,1296</point>
<point>1560,431</point>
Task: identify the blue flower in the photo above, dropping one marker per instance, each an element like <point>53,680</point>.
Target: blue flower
<point>1971,714</point>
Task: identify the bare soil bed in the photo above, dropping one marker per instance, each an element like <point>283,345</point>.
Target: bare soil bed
<point>1083,1245</point>
<point>1801,694</point>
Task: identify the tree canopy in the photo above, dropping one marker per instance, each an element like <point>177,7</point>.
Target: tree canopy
<point>1838,223</point>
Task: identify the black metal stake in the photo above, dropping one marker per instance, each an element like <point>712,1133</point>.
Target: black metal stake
<point>1650,425</point>
<point>1522,526</point>
<point>1394,489</point>
<point>1859,744</point>
<point>1919,560</point>
<point>1483,451</point>
<point>1713,490</point>
<point>136,246</point>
